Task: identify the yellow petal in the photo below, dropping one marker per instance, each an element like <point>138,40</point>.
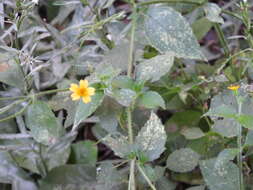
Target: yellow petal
<point>91,91</point>
<point>234,87</point>
<point>75,96</point>
<point>73,87</point>
<point>86,99</point>
<point>83,84</point>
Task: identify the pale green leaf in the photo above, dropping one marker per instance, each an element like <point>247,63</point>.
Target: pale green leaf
<point>43,124</point>
<point>153,69</point>
<point>192,133</point>
<point>168,31</point>
<point>213,12</point>
<point>151,100</point>
<point>183,160</point>
<point>152,138</point>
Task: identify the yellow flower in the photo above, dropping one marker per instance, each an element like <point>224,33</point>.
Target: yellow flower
<point>82,91</point>
<point>234,87</point>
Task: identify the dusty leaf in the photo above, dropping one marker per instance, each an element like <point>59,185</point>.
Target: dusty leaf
<point>192,133</point>
<point>226,127</point>
<point>168,31</point>
<point>43,124</point>
<point>153,69</point>
<point>213,12</point>
<point>152,138</point>
<point>183,160</point>
<point>119,144</point>
<point>225,177</point>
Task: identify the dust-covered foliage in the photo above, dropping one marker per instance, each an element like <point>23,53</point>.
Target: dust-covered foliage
<point>126,94</point>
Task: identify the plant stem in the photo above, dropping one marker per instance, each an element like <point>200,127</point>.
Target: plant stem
<point>35,95</point>
<point>131,184</point>
<point>222,39</point>
<point>146,177</point>
<point>239,144</point>
<point>14,136</point>
<point>171,1</point>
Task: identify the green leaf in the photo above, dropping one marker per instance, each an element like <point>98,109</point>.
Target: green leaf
<point>200,27</point>
<point>151,138</point>
<point>225,177</point>
<point>213,12</point>
<point>84,152</point>
<point>153,69</point>
<point>124,96</point>
<point>43,124</point>
<point>85,110</point>
<point>226,127</point>
<point>192,133</point>
<point>246,121</point>
<point>151,100</point>
<point>168,31</point>
<point>123,81</point>
<point>183,160</point>
<point>119,144</point>
<point>77,174</point>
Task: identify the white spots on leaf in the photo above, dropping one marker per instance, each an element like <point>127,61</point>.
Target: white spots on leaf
<point>152,138</point>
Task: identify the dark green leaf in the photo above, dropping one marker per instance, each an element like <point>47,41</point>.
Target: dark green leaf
<point>84,152</point>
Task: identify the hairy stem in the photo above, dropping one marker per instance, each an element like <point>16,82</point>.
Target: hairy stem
<point>239,144</point>
<point>171,1</point>
<point>222,39</point>
<point>131,184</point>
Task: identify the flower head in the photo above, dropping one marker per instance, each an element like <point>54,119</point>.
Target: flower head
<point>82,91</point>
<point>234,87</point>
